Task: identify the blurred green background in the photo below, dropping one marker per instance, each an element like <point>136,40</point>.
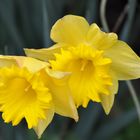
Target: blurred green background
<point>27,24</point>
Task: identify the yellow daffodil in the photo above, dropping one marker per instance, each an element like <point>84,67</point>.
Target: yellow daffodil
<point>30,89</point>
<point>96,60</point>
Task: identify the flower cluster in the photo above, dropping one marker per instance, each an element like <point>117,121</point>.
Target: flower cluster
<point>85,64</point>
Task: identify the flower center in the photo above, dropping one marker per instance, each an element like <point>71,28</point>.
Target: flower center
<point>24,88</point>
<point>85,64</point>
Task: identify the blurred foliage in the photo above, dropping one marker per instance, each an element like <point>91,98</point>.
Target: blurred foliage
<point>27,24</point>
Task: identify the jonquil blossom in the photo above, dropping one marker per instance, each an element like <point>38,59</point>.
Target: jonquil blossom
<point>30,89</point>
<point>96,60</point>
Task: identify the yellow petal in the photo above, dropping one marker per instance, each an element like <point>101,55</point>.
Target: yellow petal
<point>43,124</point>
<point>70,30</point>
<point>107,102</point>
<point>99,39</point>
<point>125,62</point>
<point>57,74</point>
<point>115,84</point>
<point>63,102</point>
<point>44,54</point>
<point>6,61</point>
<point>30,63</point>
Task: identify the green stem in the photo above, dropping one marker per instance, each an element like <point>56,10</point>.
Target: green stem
<point>102,15</point>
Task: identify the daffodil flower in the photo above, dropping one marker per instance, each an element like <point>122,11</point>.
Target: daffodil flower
<point>30,89</point>
<point>96,60</point>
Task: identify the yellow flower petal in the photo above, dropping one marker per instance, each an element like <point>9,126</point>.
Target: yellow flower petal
<point>114,88</point>
<point>30,63</point>
<point>99,39</point>
<point>62,76</point>
<point>125,63</point>
<point>107,102</point>
<point>6,61</point>
<point>43,123</point>
<point>44,54</point>
<point>70,30</point>
<point>63,102</point>
<point>115,84</point>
